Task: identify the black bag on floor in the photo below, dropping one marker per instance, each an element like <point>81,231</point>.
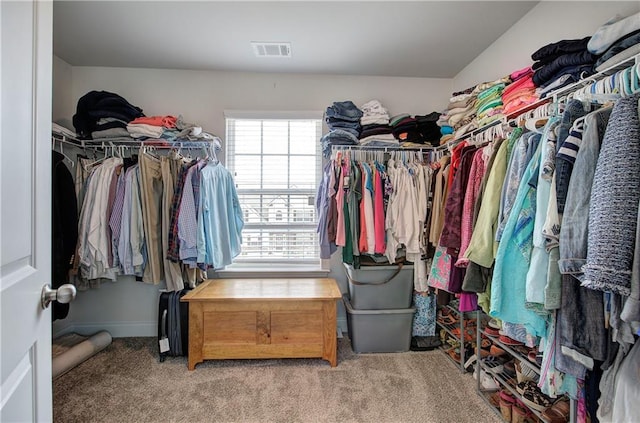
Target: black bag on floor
<point>173,324</point>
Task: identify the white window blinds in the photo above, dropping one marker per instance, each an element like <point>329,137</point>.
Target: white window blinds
<point>276,164</point>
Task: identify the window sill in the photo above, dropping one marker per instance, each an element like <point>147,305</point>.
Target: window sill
<point>271,272</point>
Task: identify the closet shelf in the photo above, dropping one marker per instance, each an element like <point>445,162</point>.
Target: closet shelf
<point>552,96</point>
<point>560,92</point>
<point>124,142</point>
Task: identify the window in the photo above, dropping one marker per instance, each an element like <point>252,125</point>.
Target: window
<point>276,162</point>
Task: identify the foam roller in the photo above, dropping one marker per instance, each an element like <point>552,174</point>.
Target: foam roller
<point>79,353</point>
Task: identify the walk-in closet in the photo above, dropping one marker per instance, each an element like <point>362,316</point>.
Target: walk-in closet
<point>342,211</point>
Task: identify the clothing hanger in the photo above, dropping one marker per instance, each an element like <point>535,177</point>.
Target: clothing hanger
<point>88,166</point>
<point>71,162</point>
<point>212,157</point>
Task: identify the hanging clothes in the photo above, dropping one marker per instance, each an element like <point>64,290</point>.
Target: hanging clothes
<point>220,219</point>
<point>157,220</point>
<point>64,228</point>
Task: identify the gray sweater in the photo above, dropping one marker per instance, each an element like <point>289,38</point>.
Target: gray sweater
<point>613,209</point>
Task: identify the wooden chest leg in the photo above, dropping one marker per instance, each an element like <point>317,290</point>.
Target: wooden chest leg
<point>329,327</point>
<point>196,338</point>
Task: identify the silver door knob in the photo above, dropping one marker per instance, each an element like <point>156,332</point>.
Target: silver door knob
<point>65,294</point>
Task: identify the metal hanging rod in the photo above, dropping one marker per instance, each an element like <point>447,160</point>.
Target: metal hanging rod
<point>380,148</point>
<point>155,143</point>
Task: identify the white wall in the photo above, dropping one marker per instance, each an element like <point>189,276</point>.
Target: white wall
<point>63,105</point>
<point>548,22</point>
<point>129,308</point>
<point>201,96</point>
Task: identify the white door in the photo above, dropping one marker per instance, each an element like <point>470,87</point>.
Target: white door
<point>25,210</point>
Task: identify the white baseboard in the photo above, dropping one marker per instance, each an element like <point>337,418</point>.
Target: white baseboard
<point>61,327</point>
<point>116,329</point>
<point>130,329</point>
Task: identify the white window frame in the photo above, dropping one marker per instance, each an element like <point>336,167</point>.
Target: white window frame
<point>322,267</point>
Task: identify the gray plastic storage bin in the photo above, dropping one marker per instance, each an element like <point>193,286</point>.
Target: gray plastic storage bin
<point>379,287</point>
<point>379,331</point>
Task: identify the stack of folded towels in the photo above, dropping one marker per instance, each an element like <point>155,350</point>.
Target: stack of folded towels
<point>375,126</point>
<point>521,92</point>
<point>343,120</point>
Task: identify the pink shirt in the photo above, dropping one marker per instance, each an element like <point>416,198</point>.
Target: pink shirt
<point>362,244</point>
<point>476,174</point>
<point>341,238</point>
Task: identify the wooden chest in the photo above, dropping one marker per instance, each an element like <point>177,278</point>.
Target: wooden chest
<point>263,318</point>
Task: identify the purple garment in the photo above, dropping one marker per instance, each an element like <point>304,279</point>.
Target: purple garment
<point>468,301</point>
<point>456,277</point>
<point>188,216</point>
<point>112,196</point>
<point>115,220</point>
<point>173,251</point>
<point>451,229</point>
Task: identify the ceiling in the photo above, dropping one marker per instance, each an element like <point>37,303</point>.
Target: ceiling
<point>431,39</point>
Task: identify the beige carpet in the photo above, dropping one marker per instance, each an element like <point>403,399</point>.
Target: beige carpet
<point>126,383</point>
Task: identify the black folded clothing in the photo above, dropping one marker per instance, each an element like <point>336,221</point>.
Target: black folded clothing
<point>101,104</point>
<point>431,117</point>
<point>561,47</point>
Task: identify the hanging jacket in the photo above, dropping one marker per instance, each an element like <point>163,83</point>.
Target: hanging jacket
<point>64,228</point>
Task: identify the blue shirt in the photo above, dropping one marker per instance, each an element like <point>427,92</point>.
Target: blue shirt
<point>220,219</point>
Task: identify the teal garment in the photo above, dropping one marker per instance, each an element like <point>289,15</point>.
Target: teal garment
<point>495,89</point>
<point>537,276</point>
<point>489,104</point>
<point>354,197</point>
<point>513,257</point>
<point>220,221</point>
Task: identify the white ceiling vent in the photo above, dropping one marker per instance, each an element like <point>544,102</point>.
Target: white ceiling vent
<point>262,49</point>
